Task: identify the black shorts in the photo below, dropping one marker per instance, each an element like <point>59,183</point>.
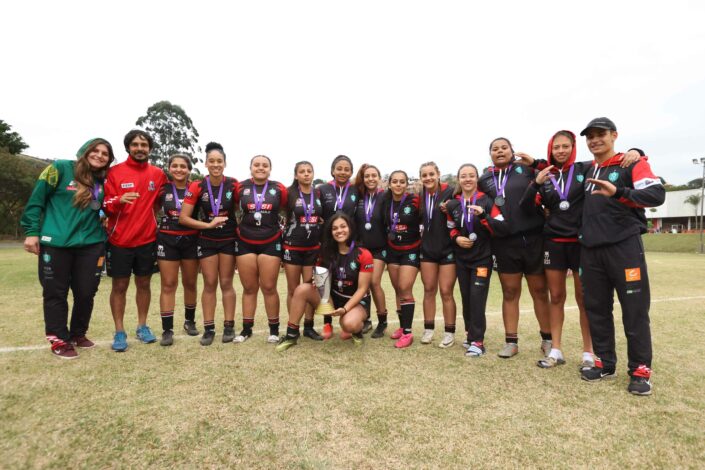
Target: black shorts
<point>561,255</point>
<point>123,262</point>
<point>380,254</point>
<point>519,254</point>
<point>172,247</point>
<point>340,301</point>
<point>207,247</point>
<point>272,248</point>
<point>403,258</point>
<point>446,257</point>
<point>301,257</point>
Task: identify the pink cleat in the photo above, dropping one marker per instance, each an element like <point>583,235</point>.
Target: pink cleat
<point>405,341</point>
<point>397,333</point>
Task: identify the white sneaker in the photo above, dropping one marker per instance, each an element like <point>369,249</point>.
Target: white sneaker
<point>240,339</point>
<point>447,341</point>
<point>546,346</point>
<point>273,339</point>
<point>427,337</point>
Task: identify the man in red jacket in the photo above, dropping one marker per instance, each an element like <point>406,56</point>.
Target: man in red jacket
<point>131,192</point>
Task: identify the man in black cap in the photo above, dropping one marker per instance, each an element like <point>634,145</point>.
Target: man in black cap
<point>613,258</point>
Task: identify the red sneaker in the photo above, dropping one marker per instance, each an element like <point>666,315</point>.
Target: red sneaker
<point>63,350</point>
<point>82,342</point>
<point>405,341</point>
<point>397,333</point>
<point>327,330</point>
<point>344,335</point>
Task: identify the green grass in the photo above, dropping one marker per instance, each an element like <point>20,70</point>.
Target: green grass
<point>672,242</point>
<point>331,405</point>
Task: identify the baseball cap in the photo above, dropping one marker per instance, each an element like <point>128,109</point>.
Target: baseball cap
<point>600,123</point>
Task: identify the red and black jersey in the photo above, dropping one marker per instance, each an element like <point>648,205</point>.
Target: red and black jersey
<point>266,199</point>
<point>435,238</point>
<point>513,180</point>
<point>609,220</point>
<point>402,219</point>
<point>461,222</point>
<point>198,196</point>
<point>170,200</point>
<point>332,196</point>
<point>371,208</point>
<point>302,230</point>
<point>132,225</point>
<point>346,268</point>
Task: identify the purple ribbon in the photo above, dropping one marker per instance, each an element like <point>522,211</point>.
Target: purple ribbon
<point>468,214</point>
<point>341,270</point>
<point>259,198</point>
<point>392,215</point>
<point>500,188</point>
<point>215,203</point>
<point>370,206</point>
<point>340,196</point>
<point>307,210</point>
<point>96,191</point>
<point>563,193</point>
<point>176,196</point>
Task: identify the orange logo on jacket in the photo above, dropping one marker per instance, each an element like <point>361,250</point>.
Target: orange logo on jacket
<point>632,274</point>
<point>482,272</point>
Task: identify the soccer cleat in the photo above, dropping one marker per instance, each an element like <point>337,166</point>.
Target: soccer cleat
<point>549,362</point>
<point>120,341</point>
<point>447,341</point>
<point>272,339</point>
<point>509,350</point>
<point>286,342</point>
<point>327,330</point>
<point>427,337</point>
<point>312,334</point>
<point>595,374</point>
<point>397,333</point>
<point>379,331</point>
<point>145,335</point>
<point>228,335</point>
<point>546,345</point>
<point>63,350</point>
<point>404,341</point>
<point>640,381</point>
<point>366,327</point>
<point>190,328</point>
<point>243,336</point>
<point>344,335</point>
<point>207,338</point>
<point>82,342</point>
<point>475,349</point>
<point>167,338</point>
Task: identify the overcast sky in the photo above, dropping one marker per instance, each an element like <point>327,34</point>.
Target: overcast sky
<point>390,83</point>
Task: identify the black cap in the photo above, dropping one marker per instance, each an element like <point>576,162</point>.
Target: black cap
<point>600,123</point>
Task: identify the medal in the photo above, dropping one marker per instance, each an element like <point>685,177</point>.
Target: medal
<point>472,236</point>
<point>95,205</point>
<point>499,201</point>
<point>395,215</point>
<point>368,226</point>
<point>341,269</point>
<point>177,201</point>
<point>340,284</point>
<point>469,215</point>
<point>369,208</point>
<point>259,199</point>
<point>215,203</point>
<point>308,227</point>
<point>500,185</point>
<point>307,210</point>
<point>564,205</point>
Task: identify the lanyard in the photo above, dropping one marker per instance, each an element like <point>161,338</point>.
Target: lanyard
<point>177,202</point>
<point>370,202</point>
<point>307,210</point>
<point>563,193</point>
<point>259,198</point>
<point>502,181</point>
<point>215,203</point>
<point>430,205</point>
<point>340,196</point>
<point>395,216</point>
<point>468,214</point>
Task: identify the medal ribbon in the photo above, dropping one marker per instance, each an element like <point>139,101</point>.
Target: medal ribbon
<point>500,187</point>
<point>341,270</point>
<point>369,206</point>
<point>467,214</point>
<point>563,193</point>
<point>430,203</point>
<point>259,198</point>
<point>307,210</point>
<point>340,196</point>
<point>395,218</point>
<point>215,203</point>
<point>96,191</point>
<point>176,196</point>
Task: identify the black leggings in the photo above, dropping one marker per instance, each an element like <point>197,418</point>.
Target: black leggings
<point>474,286</point>
<point>63,268</point>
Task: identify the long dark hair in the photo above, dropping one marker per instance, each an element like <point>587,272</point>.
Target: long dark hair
<point>329,247</point>
<point>293,189</point>
<point>388,194</point>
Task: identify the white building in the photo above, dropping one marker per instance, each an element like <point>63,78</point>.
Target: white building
<point>675,213</point>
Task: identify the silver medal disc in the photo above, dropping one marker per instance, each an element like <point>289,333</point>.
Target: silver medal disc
<point>258,216</point>
<point>368,226</point>
<point>499,201</point>
<point>95,205</point>
<point>564,205</point>
<point>472,236</point>
<point>340,284</point>
<point>308,227</point>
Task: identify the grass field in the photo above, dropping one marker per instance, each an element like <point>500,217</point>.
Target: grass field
<point>672,242</point>
<point>331,405</point>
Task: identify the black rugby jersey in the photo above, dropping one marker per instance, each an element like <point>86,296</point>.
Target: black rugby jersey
<point>302,231</point>
<point>330,193</point>
<point>346,268</point>
<point>267,228</point>
<point>376,237</point>
<point>435,238</point>
<point>488,224</point>
<point>198,196</point>
<point>171,209</point>
<point>406,235</point>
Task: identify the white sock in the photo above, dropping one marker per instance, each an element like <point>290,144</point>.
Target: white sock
<point>588,357</point>
<point>555,354</point>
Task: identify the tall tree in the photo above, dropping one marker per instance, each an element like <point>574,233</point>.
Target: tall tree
<point>11,141</point>
<point>172,131</point>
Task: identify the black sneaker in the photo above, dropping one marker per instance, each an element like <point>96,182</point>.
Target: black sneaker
<point>167,338</point>
<point>207,338</point>
<point>190,328</point>
<point>640,381</point>
<point>312,334</point>
<point>228,335</point>
<point>379,331</point>
<point>595,374</point>
<point>366,327</point>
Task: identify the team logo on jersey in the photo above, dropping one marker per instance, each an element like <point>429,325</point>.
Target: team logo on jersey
<point>46,257</point>
<point>407,210</point>
<point>318,202</point>
<point>353,198</point>
<point>127,185</point>
<point>151,186</point>
<point>272,191</point>
<point>412,256</point>
<point>580,178</point>
<point>71,186</point>
<point>246,192</point>
<point>632,274</point>
<point>228,195</point>
<point>450,256</point>
<point>168,197</point>
<point>614,176</point>
<point>519,170</point>
<point>353,265</point>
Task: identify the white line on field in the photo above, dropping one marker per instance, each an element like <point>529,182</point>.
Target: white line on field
<point>418,319</point>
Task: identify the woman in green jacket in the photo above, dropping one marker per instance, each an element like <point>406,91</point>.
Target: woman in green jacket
<point>62,225</point>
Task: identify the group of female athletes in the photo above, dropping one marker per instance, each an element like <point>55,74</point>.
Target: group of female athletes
<point>520,216</point>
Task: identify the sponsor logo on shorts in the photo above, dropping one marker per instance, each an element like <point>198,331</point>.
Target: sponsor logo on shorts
<point>450,256</point>
<point>546,258</point>
<point>482,271</point>
<point>287,255</point>
<point>199,252</point>
<point>160,251</point>
<point>412,256</point>
<point>278,247</point>
<point>632,274</point>
<point>127,185</point>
